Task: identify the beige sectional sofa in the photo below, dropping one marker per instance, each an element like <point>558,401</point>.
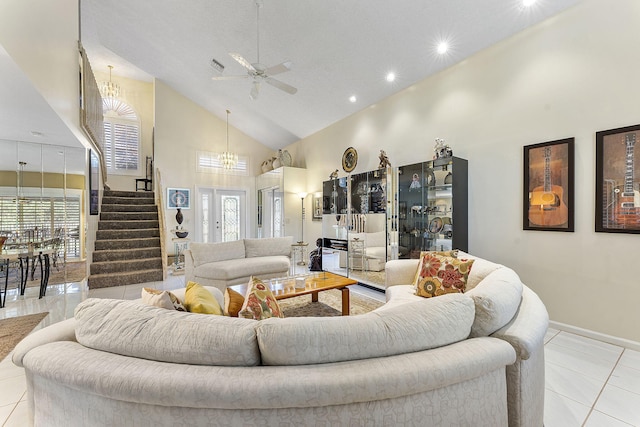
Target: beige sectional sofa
<point>231,263</point>
<point>460,359</point>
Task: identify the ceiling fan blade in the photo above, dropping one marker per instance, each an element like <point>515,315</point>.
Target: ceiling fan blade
<point>277,69</point>
<point>255,90</point>
<point>280,85</point>
<point>229,77</point>
<point>246,64</point>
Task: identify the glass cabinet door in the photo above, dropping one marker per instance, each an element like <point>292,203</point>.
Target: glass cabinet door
<point>432,206</point>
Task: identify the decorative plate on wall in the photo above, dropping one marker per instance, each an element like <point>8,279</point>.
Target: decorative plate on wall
<point>349,159</point>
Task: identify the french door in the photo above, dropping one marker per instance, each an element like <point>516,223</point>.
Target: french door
<point>221,215</point>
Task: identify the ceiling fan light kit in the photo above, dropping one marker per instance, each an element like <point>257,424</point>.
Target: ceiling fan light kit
<point>257,71</point>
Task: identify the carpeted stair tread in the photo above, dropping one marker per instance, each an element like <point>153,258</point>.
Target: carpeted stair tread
<point>125,278</point>
<point>120,207</point>
<point>123,224</point>
<point>128,253</point>
<point>139,233</point>
<point>115,244</point>
<point>108,200</point>
<point>128,216</point>
<point>136,194</point>
<point>127,265</point>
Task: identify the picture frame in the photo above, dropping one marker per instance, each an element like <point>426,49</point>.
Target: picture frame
<point>94,183</point>
<point>548,194</point>
<point>617,181</point>
<point>318,207</point>
<point>178,198</point>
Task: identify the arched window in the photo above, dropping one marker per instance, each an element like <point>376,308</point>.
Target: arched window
<point>121,137</point>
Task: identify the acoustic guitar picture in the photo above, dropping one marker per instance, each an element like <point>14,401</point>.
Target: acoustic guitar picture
<point>626,212</point>
<point>546,204</point>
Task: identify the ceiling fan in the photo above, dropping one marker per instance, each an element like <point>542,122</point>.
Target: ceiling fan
<point>258,72</point>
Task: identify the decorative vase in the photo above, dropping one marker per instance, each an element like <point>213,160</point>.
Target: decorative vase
<point>179,217</point>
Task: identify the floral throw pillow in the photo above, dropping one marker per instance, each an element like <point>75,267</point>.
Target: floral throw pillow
<point>259,302</point>
<point>439,275</point>
<point>453,254</point>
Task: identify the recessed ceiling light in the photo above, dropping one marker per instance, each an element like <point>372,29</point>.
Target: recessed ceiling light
<point>36,133</point>
<point>353,98</point>
<point>391,77</point>
<point>443,47</point>
<point>528,3</point>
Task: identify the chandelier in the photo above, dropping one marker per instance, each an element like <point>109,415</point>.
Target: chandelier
<point>228,159</point>
<point>110,89</point>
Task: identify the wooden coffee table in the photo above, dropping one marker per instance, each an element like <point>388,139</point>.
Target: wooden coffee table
<point>285,287</point>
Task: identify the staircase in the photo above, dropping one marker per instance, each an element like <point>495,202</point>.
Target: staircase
<point>127,248</point>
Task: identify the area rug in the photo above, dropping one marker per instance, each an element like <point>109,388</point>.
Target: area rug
<point>329,304</point>
<point>12,330</point>
<point>75,272</point>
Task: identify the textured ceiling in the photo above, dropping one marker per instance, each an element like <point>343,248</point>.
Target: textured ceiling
<point>338,48</point>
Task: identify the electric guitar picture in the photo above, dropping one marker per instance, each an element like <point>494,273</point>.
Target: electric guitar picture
<point>626,212</point>
<point>546,204</point>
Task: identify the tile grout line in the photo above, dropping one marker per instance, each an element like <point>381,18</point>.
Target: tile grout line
<point>595,402</point>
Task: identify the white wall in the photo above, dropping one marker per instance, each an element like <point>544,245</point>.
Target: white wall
<point>42,39</point>
<point>572,75</point>
<point>181,129</point>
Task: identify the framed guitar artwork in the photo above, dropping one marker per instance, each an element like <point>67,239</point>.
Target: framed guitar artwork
<point>618,180</point>
<point>549,186</point>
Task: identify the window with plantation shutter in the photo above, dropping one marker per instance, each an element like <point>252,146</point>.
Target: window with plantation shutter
<point>121,138</point>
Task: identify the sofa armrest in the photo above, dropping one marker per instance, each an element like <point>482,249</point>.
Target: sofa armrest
<point>401,271</point>
<point>526,331</point>
<point>61,331</point>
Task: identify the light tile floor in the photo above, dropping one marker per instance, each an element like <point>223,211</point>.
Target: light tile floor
<point>588,383</point>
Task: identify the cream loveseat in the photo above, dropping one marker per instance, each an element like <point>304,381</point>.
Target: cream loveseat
<point>422,362</point>
<point>231,263</point>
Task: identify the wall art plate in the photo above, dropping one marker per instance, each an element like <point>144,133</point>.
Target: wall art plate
<point>349,159</point>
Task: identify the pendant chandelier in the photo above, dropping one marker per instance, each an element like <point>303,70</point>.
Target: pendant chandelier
<point>110,89</point>
<point>228,159</point>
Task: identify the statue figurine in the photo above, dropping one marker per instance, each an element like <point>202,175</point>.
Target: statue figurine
<point>334,174</point>
<point>384,160</point>
<point>315,257</point>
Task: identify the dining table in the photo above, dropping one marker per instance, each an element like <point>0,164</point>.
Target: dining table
<point>26,259</point>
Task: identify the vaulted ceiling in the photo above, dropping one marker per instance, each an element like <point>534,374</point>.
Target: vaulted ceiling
<point>338,49</point>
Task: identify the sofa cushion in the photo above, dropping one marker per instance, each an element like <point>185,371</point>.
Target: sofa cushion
<point>204,253</point>
<point>198,300</point>
<point>496,298</point>
<point>439,275</point>
<point>415,326</point>
<point>131,328</point>
<point>268,247</point>
<point>162,299</point>
<point>259,303</point>
<point>243,267</point>
<point>378,238</point>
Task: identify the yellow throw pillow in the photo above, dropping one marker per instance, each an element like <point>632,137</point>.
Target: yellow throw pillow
<point>199,300</point>
<point>439,275</point>
<point>162,299</point>
<point>259,302</point>
<point>232,302</point>
<point>453,254</point>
